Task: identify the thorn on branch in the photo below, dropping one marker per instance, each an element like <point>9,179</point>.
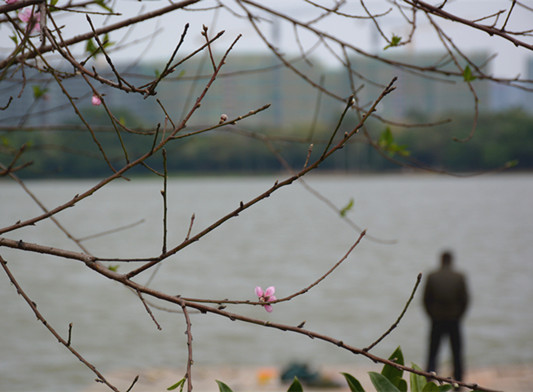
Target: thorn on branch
<point>155,137</point>
<point>133,383</point>
<point>309,151</point>
<point>390,88</point>
<point>69,334</point>
<point>190,228</point>
<point>7,105</point>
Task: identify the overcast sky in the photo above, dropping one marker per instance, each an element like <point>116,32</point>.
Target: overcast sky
<point>509,62</point>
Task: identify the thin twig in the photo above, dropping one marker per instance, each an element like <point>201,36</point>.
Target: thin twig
<point>37,201</point>
<point>148,310</point>
<point>103,30</point>
<point>209,50</point>
<point>395,324</point>
<point>120,79</point>
<point>110,231</point>
<point>167,70</point>
<point>124,169</point>
<point>190,361</point>
<point>337,264</point>
<point>133,383</point>
<point>349,103</point>
<point>164,194</point>
<point>48,326</point>
<point>277,185</point>
<point>318,104</point>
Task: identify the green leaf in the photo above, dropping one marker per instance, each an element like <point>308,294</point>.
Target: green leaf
<point>113,268</point>
<point>5,141</point>
<point>353,383</point>
<point>430,387</point>
<point>223,387</point>
<point>90,46</point>
<point>53,2</point>
<point>386,138</point>
<point>402,385</point>
<point>417,381</point>
<point>38,92</point>
<point>180,383</point>
<point>402,150</point>
<point>346,208</point>
<point>386,143</point>
<point>381,383</point>
<point>395,41</point>
<point>295,386</point>
<point>14,39</point>
<point>393,374</point>
<point>447,387</point>
<point>467,74</point>
<point>107,41</point>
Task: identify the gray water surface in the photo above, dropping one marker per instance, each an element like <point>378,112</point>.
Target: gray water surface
<point>289,240</point>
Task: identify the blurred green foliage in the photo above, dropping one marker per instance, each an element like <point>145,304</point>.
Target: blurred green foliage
<point>500,139</point>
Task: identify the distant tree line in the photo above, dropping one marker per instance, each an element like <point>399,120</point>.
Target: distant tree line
<point>500,138</point>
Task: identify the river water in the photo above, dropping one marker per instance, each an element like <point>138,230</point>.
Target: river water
<point>289,240</point>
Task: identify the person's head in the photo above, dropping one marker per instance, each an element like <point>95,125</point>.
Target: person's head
<point>446,258</point>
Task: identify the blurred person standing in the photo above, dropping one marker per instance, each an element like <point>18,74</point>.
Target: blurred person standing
<point>445,301</point>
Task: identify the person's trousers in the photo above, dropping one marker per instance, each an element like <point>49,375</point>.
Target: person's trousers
<point>451,329</point>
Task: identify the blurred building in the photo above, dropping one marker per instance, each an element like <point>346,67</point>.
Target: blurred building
<point>248,82</point>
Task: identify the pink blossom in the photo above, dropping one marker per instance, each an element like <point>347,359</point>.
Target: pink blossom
<point>32,19</point>
<point>266,296</point>
<point>95,100</point>
<point>11,1</point>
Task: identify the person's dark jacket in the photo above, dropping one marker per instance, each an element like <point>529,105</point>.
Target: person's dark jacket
<point>445,295</point>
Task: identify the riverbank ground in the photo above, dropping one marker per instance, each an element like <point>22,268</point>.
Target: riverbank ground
<point>517,378</point>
